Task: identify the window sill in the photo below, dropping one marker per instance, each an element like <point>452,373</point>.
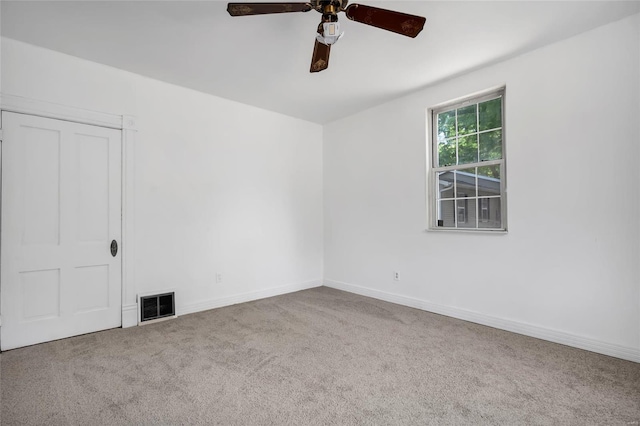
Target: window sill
<point>468,231</point>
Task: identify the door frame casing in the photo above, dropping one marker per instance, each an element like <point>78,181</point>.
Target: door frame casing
<point>127,124</point>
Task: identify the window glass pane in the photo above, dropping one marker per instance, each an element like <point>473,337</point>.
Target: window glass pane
<point>466,213</point>
<point>468,149</point>
<point>489,180</point>
<point>466,183</point>
<point>444,185</point>
<point>446,213</point>
<point>446,124</point>
<point>490,114</point>
<point>490,171</point>
<point>483,209</point>
<point>491,145</point>
<point>467,120</point>
<point>446,152</point>
<point>489,213</point>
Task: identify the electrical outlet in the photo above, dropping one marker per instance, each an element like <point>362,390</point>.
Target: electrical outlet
<point>218,278</point>
<point>396,276</point>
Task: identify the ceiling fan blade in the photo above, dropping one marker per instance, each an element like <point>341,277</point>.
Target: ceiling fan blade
<point>245,9</point>
<point>397,22</point>
<point>320,59</point>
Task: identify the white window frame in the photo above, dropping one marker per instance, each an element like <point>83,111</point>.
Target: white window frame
<point>433,169</point>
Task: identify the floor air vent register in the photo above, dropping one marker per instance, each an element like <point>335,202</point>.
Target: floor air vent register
<point>157,307</point>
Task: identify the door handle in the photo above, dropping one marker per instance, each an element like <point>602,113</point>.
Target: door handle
<point>114,248</point>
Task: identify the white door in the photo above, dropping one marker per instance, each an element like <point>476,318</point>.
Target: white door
<point>61,209</point>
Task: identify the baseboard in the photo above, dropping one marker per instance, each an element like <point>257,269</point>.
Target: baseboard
<point>245,297</point>
<point>129,315</point>
<point>555,336</point>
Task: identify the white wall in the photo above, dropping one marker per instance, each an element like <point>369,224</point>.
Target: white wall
<point>568,268</point>
<point>220,187</point>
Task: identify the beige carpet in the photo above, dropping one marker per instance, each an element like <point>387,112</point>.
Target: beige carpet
<point>319,356</point>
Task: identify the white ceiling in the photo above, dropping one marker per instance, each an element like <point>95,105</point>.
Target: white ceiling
<point>264,60</point>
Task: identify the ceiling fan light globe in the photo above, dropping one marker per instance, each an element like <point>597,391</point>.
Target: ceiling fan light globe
<point>331,34</point>
<point>328,40</point>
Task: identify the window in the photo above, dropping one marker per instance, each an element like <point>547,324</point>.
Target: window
<point>467,168</point>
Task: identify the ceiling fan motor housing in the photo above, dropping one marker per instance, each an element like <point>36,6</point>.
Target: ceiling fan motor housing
<point>330,6</point>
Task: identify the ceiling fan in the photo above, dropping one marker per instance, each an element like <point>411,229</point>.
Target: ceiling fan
<point>329,29</point>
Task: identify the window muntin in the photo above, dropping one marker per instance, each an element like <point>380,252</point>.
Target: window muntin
<point>467,167</point>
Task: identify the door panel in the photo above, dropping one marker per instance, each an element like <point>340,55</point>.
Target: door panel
<point>93,188</point>
<point>40,294</point>
<point>92,288</point>
<point>61,207</point>
<point>40,188</point>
